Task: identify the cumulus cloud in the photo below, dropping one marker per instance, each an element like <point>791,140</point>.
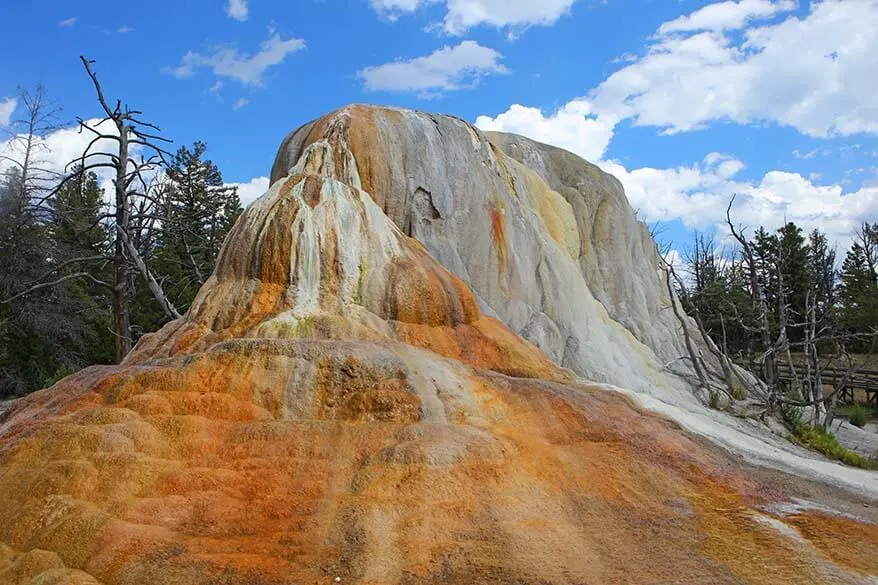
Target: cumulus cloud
<point>246,69</point>
<point>52,154</point>
<point>240,103</point>
<point>574,127</point>
<point>446,69</point>
<point>696,194</point>
<point>251,190</point>
<point>238,10</point>
<point>7,108</point>
<point>815,74</point>
<point>677,262</point>
<point>461,15</point>
<point>810,73</point>
<point>54,151</point>
<point>728,15</point>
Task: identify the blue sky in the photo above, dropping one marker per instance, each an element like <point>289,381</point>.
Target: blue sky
<point>685,101</point>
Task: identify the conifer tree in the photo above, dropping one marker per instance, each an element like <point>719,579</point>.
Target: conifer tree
<point>821,268</point>
<point>858,291</point>
<point>199,211</point>
<point>27,356</point>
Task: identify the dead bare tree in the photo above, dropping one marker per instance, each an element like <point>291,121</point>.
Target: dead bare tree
<point>40,117</point>
<point>769,360</point>
<point>132,176</point>
<point>693,356</point>
<point>705,374</point>
<point>129,175</point>
<point>813,371</point>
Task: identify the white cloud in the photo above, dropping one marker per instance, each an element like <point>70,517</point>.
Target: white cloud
<point>446,69</point>
<point>124,29</point>
<point>392,7</point>
<point>251,190</point>
<point>696,194</point>
<point>806,155</point>
<point>725,166</point>
<point>68,22</point>
<point>55,151</point>
<point>677,262</point>
<point>238,9</point>
<point>245,69</point>
<point>727,15</point>
<point>7,108</point>
<point>573,127</point>
<point>240,103</point>
<point>815,74</point>
<point>625,58</point>
<point>462,15</point>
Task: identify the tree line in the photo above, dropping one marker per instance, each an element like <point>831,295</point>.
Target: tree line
<point>83,275</point>
<point>779,303</point>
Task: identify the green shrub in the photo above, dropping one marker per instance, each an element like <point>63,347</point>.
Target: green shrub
<point>822,441</point>
<point>738,392</point>
<point>792,418</point>
<point>858,416</point>
<point>819,439</point>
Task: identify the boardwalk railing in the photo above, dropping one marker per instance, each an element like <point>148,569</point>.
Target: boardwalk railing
<point>864,380</point>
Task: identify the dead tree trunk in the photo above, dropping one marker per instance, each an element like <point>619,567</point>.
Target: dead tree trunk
<point>813,374</point>
<point>783,340</point>
<point>121,315</point>
<point>127,175</point>
<point>769,362</point>
<point>693,356</point>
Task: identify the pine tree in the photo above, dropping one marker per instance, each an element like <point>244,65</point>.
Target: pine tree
<point>783,270</point>
<point>199,211</point>
<point>77,237</point>
<point>765,252</point>
<point>76,218</point>
<point>858,291</point>
<point>823,276</point>
<point>27,355</point>
<point>792,263</point>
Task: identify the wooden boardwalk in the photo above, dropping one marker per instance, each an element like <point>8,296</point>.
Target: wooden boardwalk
<point>864,380</point>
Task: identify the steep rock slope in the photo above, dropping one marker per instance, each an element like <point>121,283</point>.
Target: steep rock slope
<point>546,240</point>
<point>551,247</point>
<point>335,404</point>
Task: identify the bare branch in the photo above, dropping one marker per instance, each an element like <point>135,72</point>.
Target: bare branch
<point>100,92</point>
<point>154,286</point>
<point>65,264</point>
<point>44,285</point>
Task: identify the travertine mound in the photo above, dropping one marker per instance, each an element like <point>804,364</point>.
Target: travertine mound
<point>337,405</point>
<point>546,240</point>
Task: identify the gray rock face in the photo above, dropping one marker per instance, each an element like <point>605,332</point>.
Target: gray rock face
<point>547,240</point>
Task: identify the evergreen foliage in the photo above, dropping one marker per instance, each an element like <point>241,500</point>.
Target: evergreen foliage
<point>58,329</point>
<point>198,212</point>
<point>858,292</point>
